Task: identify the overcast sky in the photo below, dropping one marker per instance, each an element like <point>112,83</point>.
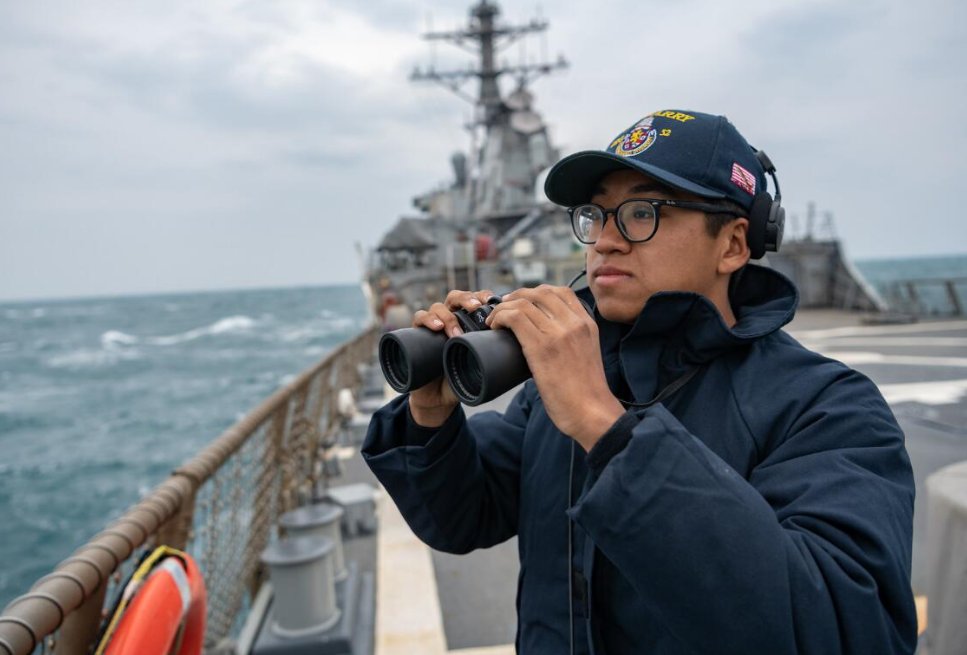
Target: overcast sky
<point>210,144</point>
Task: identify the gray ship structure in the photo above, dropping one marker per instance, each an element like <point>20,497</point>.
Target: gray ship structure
<point>491,227</point>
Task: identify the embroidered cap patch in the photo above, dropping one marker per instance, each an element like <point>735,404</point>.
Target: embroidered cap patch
<point>743,179</point>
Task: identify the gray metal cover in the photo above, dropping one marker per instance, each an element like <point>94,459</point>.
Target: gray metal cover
<point>294,552</point>
<point>318,520</point>
<point>301,570</point>
<point>311,516</point>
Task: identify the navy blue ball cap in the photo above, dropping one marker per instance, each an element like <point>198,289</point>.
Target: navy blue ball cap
<point>701,154</point>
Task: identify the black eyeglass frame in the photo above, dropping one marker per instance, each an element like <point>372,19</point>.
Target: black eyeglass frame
<point>656,204</point>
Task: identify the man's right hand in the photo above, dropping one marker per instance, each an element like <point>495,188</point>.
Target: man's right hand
<point>432,404</point>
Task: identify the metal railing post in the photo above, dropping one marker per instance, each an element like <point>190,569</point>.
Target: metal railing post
<point>913,297</point>
<point>954,298</point>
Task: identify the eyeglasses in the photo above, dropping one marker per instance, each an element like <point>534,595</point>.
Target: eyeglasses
<point>637,218</point>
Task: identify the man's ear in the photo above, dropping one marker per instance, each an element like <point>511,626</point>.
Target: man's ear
<point>735,251</point>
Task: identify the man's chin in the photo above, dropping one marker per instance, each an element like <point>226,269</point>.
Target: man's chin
<point>617,310</point>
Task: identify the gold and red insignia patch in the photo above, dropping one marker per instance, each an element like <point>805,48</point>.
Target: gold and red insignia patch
<point>638,139</point>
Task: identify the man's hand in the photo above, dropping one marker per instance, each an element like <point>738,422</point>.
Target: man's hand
<point>432,404</point>
<point>560,342</point>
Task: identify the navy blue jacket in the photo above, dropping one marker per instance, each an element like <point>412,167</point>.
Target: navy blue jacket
<point>764,508</point>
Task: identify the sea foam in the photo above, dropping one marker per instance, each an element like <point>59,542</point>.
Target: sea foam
<point>222,326</point>
<point>114,338</point>
<point>80,359</point>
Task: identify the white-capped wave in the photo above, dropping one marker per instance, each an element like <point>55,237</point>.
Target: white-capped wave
<point>114,338</point>
<point>222,326</point>
<point>289,335</point>
<point>316,329</point>
<point>92,358</point>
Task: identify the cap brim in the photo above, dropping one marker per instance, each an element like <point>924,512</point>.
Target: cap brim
<point>572,180</point>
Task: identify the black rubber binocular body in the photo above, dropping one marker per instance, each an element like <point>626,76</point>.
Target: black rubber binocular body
<point>480,365</point>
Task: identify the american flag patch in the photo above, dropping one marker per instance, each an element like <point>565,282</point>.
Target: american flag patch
<point>743,179</point>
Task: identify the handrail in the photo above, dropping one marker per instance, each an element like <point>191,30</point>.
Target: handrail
<point>54,602</point>
<point>911,295</point>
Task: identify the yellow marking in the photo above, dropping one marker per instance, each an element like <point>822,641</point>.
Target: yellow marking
<point>921,614</point>
<point>666,132</point>
<point>675,115</point>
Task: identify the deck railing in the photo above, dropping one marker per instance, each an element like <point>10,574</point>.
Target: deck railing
<point>221,506</point>
<point>928,296</point>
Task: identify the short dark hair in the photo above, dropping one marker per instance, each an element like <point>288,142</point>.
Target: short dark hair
<point>715,221</point>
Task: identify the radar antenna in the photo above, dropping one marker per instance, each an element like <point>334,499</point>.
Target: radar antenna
<point>485,37</point>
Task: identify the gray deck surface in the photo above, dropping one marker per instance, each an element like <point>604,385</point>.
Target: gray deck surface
<point>477,591</point>
<point>936,435</point>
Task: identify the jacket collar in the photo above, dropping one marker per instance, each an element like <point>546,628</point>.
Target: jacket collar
<point>678,330</point>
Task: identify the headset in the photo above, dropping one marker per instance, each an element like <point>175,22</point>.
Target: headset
<point>767,218</point>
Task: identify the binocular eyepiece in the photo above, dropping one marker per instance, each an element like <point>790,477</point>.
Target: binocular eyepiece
<point>480,365</point>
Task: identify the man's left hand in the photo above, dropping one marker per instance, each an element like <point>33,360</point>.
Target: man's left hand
<point>560,342</point>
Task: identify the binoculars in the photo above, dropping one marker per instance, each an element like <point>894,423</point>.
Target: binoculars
<point>479,365</point>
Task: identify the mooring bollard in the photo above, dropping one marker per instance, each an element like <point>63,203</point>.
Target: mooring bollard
<point>318,520</point>
<point>302,578</point>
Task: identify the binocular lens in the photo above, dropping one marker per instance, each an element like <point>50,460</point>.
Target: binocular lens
<point>483,365</point>
<point>464,373</point>
<point>394,364</point>
<point>411,357</point>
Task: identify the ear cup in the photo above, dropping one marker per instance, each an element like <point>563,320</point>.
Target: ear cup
<point>775,227</point>
<point>758,220</point>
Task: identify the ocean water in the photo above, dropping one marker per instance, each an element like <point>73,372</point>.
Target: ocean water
<point>100,399</point>
<point>883,274</point>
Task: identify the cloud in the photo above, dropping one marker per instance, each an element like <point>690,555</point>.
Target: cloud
<point>251,142</point>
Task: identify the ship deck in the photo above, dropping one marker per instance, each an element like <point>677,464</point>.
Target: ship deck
<point>443,603</point>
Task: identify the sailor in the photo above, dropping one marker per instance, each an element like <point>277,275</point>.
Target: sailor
<point>762,505</point>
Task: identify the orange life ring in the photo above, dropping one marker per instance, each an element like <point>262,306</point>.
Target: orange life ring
<point>162,609</point>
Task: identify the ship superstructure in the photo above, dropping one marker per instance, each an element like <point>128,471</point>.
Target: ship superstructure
<point>482,229</point>
<point>492,227</point>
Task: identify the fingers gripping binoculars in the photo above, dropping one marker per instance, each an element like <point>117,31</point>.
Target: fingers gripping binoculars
<point>480,365</point>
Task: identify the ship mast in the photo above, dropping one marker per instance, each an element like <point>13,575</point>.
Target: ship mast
<point>484,38</point>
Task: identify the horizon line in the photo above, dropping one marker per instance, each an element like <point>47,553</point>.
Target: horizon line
<point>279,287</point>
<point>171,292</point>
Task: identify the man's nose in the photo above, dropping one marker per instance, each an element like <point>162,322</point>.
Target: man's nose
<point>610,239</point>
